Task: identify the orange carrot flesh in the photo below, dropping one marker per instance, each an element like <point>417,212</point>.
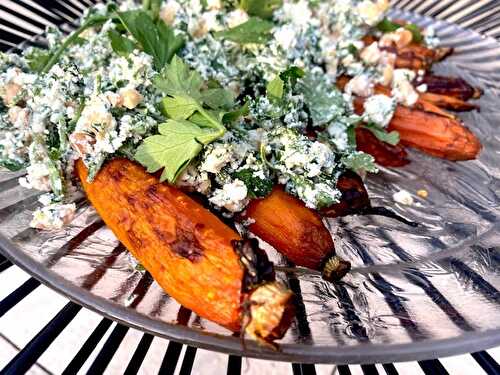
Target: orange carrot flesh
<point>435,135</point>
<point>187,249</point>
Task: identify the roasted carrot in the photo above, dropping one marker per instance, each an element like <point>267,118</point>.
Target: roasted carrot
<point>196,259</point>
<point>297,232</point>
<point>431,133</point>
<point>447,102</point>
<point>435,135</point>
<point>384,153</point>
<point>450,86</point>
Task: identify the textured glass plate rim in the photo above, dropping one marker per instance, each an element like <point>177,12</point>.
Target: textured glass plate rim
<point>353,354</point>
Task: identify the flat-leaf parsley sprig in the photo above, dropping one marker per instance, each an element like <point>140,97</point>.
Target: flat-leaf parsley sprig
<point>195,120</point>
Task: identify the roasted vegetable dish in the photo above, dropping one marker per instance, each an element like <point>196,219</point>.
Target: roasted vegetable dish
<point>195,126</point>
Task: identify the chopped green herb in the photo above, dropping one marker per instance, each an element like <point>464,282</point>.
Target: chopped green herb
<point>261,8</point>
<point>391,138</point>
<point>257,187</point>
<point>255,30</point>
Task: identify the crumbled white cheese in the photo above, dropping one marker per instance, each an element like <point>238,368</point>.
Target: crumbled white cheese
<point>379,109</point>
<point>422,88</point>
<point>232,196</point>
<point>403,197</point>
<point>360,85</point>
<point>371,54</point>
<point>402,87</point>
<point>53,217</point>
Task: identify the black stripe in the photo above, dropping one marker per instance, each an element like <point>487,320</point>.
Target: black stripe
<point>303,369</point>
<point>23,17</point>
<point>4,264</point>
<point>23,361</point>
<point>390,369</point>
<point>88,347</point>
<point>93,278</point>
<point>369,370</point>
<point>49,16</point>
<point>487,363</point>
<point>73,243</point>
<point>343,370</point>
<point>418,278</point>
<point>140,289</point>
<point>394,302</point>
<point>159,304</point>
<point>17,295</point>
<point>188,361</point>
<point>140,352</point>
<point>348,310</point>
<point>234,365</point>
<point>108,350</point>
<point>432,367</point>
<point>304,331</point>
<point>170,359</point>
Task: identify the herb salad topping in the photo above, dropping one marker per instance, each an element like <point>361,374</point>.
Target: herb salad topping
<point>226,99</point>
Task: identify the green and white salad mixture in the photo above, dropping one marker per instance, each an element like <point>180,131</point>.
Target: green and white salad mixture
<point>226,99</point>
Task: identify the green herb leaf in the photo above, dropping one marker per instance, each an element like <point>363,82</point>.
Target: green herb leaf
<point>157,40</point>
<point>391,138</point>
<point>292,74</point>
<point>387,26</point>
<point>218,99</point>
<point>179,142</point>
<point>255,30</point>
<point>37,59</point>
<point>121,45</point>
<point>324,101</point>
<point>235,115</point>
<point>359,161</point>
<point>275,88</point>
<point>180,107</point>
<point>178,79</point>
<point>415,31</point>
<point>257,187</point>
<point>261,8</point>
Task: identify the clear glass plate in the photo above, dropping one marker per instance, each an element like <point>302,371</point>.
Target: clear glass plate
<point>413,293</point>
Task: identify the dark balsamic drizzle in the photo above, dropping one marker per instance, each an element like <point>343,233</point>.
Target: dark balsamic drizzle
<point>383,211</point>
<point>258,268</point>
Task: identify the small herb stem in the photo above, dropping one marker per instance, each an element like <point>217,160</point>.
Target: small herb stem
<point>70,40</point>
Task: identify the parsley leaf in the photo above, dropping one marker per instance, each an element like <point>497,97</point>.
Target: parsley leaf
<point>191,125</point>
<point>157,40</point>
<point>255,30</point>
<point>275,88</point>
<point>177,79</point>
<point>178,143</point>
<point>391,138</point>
<point>121,45</point>
<point>359,161</point>
<point>261,8</point>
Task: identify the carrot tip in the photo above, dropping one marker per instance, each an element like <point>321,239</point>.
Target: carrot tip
<point>271,313</point>
<point>335,268</point>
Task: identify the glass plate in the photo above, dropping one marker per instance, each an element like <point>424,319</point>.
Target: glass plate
<point>413,293</point>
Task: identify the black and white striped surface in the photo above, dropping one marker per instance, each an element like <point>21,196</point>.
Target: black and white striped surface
<point>411,295</point>
<point>43,333</point>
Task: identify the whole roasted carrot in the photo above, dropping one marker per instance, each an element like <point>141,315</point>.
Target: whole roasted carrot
<point>435,135</point>
<point>297,232</point>
<point>197,259</point>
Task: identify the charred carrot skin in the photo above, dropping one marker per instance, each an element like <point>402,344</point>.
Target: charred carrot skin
<point>296,231</point>
<point>384,154</point>
<point>440,136</point>
<point>435,135</point>
<point>187,249</point>
<point>450,86</point>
